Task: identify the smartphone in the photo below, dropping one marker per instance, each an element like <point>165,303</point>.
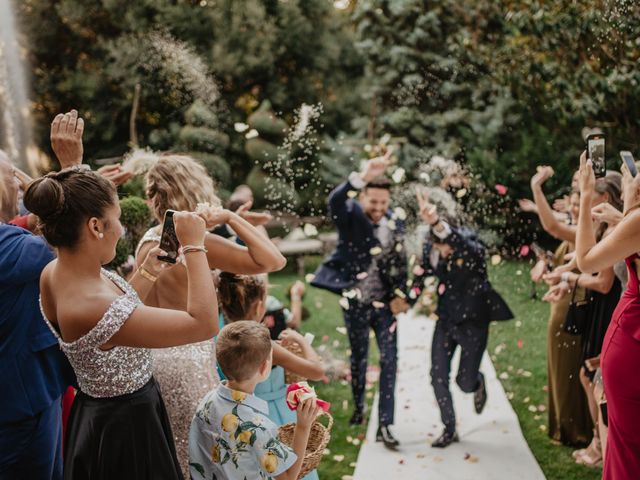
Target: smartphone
<point>168,240</point>
<point>628,160</point>
<point>595,153</point>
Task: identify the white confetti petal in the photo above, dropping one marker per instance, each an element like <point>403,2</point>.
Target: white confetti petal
<point>398,175</point>
<point>399,213</point>
<point>310,230</point>
<point>253,133</point>
<point>240,127</point>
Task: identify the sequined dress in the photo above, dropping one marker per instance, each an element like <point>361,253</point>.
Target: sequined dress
<point>185,375</point>
<point>118,426</point>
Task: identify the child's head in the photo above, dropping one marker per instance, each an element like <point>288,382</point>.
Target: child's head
<point>243,351</point>
<point>242,297</point>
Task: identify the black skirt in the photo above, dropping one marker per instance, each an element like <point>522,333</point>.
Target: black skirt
<point>125,437</point>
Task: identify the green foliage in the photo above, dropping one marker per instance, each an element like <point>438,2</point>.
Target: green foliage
<point>216,166</point>
<point>203,139</point>
<point>136,219</point>
<point>501,86</point>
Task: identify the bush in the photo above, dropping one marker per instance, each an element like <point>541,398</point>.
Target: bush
<point>204,139</point>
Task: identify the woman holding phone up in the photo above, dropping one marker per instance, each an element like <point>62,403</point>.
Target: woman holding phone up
<point>621,347</point>
<point>118,427</point>
<point>187,373</point>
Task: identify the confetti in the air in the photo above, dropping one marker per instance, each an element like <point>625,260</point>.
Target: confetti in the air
<point>310,230</point>
<point>398,175</point>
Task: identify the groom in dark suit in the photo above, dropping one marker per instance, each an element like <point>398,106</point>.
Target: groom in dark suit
<point>466,304</point>
<point>369,269</point>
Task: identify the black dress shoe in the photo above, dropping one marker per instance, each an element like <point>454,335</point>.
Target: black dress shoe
<point>480,397</point>
<point>446,439</point>
<point>384,435</point>
<point>357,418</point>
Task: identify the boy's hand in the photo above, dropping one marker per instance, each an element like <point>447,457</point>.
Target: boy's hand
<point>307,413</point>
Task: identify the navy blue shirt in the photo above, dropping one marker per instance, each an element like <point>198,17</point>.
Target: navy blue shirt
<point>34,373</point>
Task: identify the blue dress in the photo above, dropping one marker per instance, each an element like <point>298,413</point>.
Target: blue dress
<point>274,391</point>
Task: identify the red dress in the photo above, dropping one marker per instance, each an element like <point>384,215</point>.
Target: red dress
<point>621,374</point>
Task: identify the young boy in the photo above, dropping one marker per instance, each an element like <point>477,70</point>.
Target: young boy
<point>231,436</point>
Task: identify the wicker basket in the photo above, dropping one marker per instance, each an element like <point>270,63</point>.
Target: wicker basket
<point>318,441</point>
<point>290,377</point>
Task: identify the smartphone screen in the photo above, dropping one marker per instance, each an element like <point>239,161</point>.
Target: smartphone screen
<point>168,240</point>
<point>628,160</point>
<point>595,150</point>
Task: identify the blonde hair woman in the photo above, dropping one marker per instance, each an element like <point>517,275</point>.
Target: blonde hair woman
<point>187,373</point>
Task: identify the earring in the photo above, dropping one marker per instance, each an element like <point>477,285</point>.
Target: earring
<point>101,235</point>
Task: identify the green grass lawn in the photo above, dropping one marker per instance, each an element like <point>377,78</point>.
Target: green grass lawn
<point>530,326</point>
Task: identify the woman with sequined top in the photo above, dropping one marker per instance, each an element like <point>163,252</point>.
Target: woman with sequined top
<point>187,373</point>
<point>118,427</point>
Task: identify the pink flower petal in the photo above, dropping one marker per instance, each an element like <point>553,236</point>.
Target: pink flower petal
<point>524,250</point>
<point>501,189</point>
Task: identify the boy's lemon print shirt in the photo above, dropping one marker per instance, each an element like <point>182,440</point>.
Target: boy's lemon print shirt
<point>232,438</point>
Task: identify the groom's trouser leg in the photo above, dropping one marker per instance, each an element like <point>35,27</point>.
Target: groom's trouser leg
<point>357,321</point>
<point>386,336</point>
<point>442,348</point>
<point>472,338</point>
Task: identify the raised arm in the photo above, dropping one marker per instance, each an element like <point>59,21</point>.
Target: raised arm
<point>66,138</point>
<point>308,367</point>
<point>297,291</point>
<point>337,201</point>
<point>158,327</point>
<point>547,217</point>
<point>621,243</point>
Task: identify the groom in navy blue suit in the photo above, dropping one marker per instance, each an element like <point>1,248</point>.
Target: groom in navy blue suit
<point>466,304</point>
<point>369,269</point>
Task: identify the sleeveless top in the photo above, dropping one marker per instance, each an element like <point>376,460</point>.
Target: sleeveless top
<point>113,372</point>
<point>149,236</point>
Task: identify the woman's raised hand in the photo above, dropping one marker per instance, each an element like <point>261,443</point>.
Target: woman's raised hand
<point>543,173</point>
<point>190,228</point>
<point>607,213</point>
<point>213,215</point>
<point>586,177</point>
<point>630,188</point>
<point>154,265</point>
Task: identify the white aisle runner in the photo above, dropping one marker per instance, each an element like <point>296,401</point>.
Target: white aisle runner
<point>491,445</point>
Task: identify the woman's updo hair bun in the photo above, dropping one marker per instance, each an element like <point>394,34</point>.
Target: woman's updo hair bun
<point>46,198</point>
<point>237,294</point>
<point>64,200</point>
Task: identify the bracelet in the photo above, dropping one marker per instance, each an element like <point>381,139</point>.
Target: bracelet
<point>145,274</point>
<point>565,276</point>
<point>193,248</point>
